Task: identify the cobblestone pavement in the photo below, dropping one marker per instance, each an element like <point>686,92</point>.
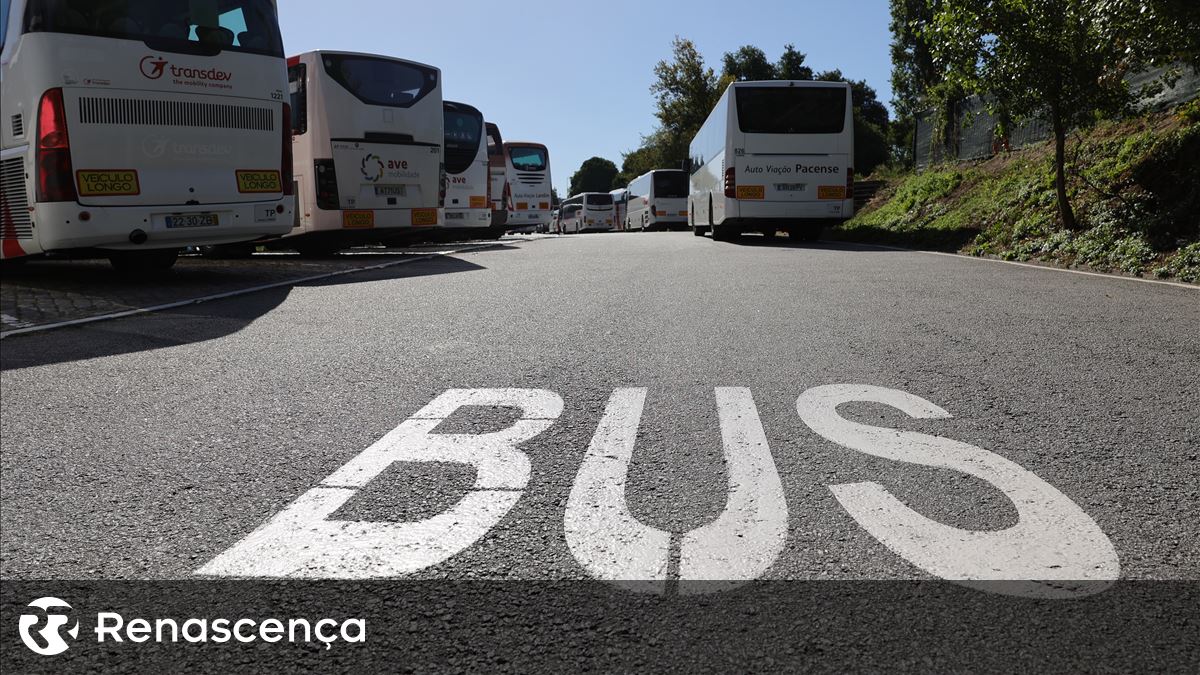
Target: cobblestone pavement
<point>47,292</point>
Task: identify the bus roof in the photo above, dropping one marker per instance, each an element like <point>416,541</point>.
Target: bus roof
<point>295,59</point>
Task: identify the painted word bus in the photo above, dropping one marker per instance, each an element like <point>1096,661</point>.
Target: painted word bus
<point>658,200</point>
<point>468,209</point>
<point>774,156</point>
<point>528,176</point>
<point>595,213</point>
<point>138,128</point>
<point>368,150</point>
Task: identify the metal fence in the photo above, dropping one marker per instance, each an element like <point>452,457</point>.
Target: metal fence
<point>972,132</point>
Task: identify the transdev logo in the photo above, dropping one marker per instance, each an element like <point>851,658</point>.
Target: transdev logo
<point>49,635</point>
<point>153,67</point>
<point>372,167</point>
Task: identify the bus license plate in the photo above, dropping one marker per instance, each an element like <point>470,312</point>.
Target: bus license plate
<point>192,220</point>
<point>791,187</point>
<point>390,191</point>
<point>455,215</point>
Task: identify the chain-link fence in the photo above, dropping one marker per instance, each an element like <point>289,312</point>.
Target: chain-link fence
<point>972,132</point>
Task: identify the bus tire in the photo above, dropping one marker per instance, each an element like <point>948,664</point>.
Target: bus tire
<point>144,262</point>
<point>806,234</point>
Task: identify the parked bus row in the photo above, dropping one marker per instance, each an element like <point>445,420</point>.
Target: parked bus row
<point>194,130</point>
<point>772,156</point>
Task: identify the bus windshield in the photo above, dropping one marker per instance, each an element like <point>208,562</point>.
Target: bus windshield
<point>185,25</point>
<point>599,200</point>
<point>671,185</point>
<point>384,82</point>
<point>791,110</point>
<point>528,158</point>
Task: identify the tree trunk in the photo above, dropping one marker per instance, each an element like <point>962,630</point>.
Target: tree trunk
<point>1060,173</point>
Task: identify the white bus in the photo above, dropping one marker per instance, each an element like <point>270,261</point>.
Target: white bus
<point>774,156</point>
<point>133,129</point>
<point>368,153</point>
<point>498,190</point>
<point>620,208</point>
<point>658,200</point>
<point>567,219</point>
<point>595,213</point>
<point>528,177</point>
<point>468,208</point>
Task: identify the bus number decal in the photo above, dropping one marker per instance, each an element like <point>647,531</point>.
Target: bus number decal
<point>108,183</point>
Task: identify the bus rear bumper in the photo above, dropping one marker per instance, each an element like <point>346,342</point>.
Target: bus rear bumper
<point>63,226</point>
<point>748,212</point>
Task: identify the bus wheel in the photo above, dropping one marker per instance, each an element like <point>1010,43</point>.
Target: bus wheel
<point>143,262</point>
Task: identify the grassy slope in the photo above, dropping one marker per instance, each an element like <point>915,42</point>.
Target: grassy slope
<point>1135,186</point>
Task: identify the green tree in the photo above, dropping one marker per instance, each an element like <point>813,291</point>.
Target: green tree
<point>913,72</point>
<point>791,65</point>
<point>1052,58</point>
<point>748,63</point>
<point>685,92</point>
<point>595,175</point>
<point>871,148</point>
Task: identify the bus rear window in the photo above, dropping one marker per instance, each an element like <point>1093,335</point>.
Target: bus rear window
<point>600,200</point>
<point>791,110</point>
<point>381,81</point>
<point>671,185</point>
<point>210,26</point>
<point>464,131</point>
<point>528,158</point>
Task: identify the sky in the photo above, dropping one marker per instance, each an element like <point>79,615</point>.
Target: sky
<point>576,77</point>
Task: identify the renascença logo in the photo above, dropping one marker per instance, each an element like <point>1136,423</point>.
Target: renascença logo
<point>51,633</point>
<point>48,640</point>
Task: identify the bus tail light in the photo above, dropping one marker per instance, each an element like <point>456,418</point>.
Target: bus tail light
<point>443,183</point>
<point>850,183</point>
<point>730,183</point>
<point>327,188</point>
<point>55,178</point>
<point>285,160</point>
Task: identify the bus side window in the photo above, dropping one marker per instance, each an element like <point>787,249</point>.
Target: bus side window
<point>298,89</point>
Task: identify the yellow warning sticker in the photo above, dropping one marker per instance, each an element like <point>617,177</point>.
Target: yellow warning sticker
<point>258,181</point>
<point>358,220</point>
<point>108,183</point>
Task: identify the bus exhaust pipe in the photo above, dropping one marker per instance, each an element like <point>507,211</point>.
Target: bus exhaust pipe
<point>138,237</point>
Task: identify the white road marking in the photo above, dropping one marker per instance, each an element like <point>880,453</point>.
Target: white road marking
<point>740,545</point>
<point>302,542</point>
<point>1053,542</point>
<point>13,321</point>
<point>32,328</point>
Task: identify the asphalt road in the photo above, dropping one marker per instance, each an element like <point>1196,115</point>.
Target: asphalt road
<point>1059,440</point>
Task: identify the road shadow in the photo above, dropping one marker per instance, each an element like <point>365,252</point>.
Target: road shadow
<point>188,324</point>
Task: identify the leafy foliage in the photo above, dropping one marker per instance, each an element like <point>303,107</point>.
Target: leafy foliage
<point>595,175</point>
<point>1137,186</point>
